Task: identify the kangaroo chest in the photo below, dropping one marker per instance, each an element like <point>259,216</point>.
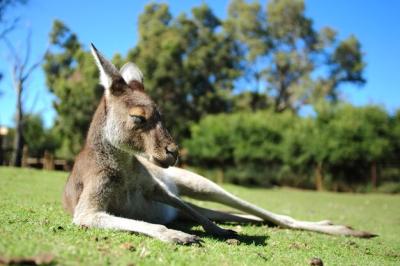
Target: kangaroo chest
<point>133,200</point>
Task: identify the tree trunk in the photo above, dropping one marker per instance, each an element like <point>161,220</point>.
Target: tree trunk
<point>374,175</point>
<point>319,177</point>
<point>19,138</point>
<point>280,100</point>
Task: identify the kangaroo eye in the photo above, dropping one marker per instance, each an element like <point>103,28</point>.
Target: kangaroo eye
<point>138,119</point>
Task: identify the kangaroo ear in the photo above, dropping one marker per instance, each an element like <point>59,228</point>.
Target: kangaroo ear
<point>110,78</point>
<point>132,76</point>
<point>131,72</point>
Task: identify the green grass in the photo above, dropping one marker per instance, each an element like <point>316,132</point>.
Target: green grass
<point>32,222</point>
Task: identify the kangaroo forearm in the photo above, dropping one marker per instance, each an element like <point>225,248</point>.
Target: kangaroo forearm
<point>107,221</point>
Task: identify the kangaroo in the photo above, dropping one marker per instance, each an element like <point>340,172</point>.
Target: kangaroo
<point>124,178</point>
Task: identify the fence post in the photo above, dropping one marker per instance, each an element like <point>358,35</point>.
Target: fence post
<point>25,156</point>
<point>48,162</point>
<point>3,135</point>
<point>1,149</point>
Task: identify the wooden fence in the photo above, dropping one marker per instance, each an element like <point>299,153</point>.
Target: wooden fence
<point>48,162</point>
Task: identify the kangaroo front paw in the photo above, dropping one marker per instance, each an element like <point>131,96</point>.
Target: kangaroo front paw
<point>178,237</point>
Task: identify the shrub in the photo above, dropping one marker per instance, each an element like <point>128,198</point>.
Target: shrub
<point>342,146</point>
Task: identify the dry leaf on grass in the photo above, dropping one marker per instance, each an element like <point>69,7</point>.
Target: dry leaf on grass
<point>298,245</point>
<point>128,246</point>
<point>233,241</point>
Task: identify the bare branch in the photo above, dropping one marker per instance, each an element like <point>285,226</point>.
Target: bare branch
<point>18,66</point>
<point>28,50</point>
<point>34,66</point>
<point>8,29</point>
<point>31,69</point>
<point>14,74</point>
<point>13,52</point>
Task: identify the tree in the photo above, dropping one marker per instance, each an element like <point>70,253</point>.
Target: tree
<point>37,137</point>
<point>297,64</point>
<point>245,144</point>
<point>361,139</point>
<point>188,62</point>
<point>343,144</point>
<point>72,76</point>
<point>249,101</point>
<point>22,69</point>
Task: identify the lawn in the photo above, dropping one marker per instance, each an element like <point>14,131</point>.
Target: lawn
<point>32,222</point>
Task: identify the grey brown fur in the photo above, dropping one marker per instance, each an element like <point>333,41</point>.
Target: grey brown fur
<point>124,177</point>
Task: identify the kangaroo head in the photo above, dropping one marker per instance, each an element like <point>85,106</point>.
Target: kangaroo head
<point>133,122</point>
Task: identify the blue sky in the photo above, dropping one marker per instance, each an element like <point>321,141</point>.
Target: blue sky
<point>112,26</point>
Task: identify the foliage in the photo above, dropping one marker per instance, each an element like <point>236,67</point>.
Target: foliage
<point>72,77</point>
<point>30,209</point>
<point>294,62</point>
<point>358,136</point>
<point>189,63</point>
<point>267,148</point>
<point>37,138</point>
<point>342,140</point>
<point>249,101</point>
<point>249,142</point>
<point>390,187</point>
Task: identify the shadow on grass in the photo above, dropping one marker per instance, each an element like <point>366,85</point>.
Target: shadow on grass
<point>187,226</point>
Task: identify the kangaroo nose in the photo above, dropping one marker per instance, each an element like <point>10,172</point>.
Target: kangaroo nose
<point>172,149</point>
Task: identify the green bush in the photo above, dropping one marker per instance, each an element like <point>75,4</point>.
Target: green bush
<point>246,146</point>
<point>389,187</point>
<point>37,137</point>
<point>342,143</point>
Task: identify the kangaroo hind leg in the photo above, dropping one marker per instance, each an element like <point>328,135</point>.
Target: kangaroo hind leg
<point>198,187</point>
